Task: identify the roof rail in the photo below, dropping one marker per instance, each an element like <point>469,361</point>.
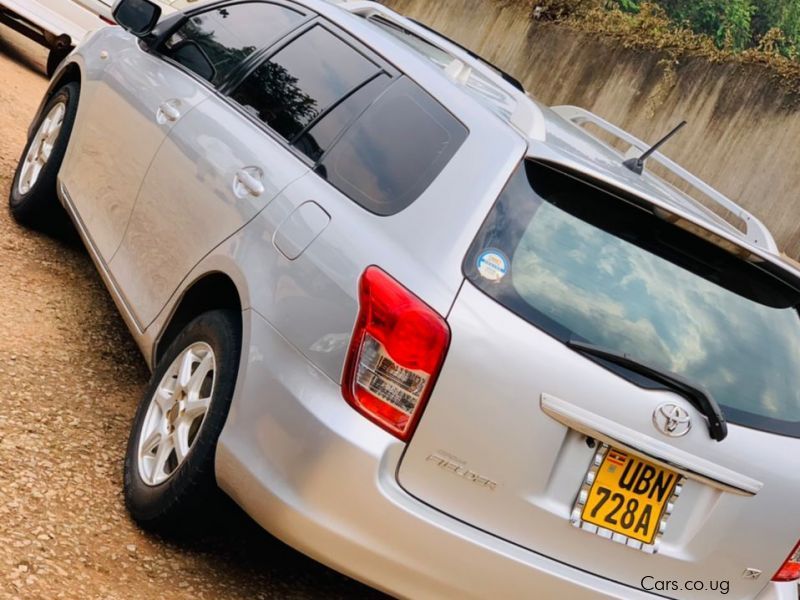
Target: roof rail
<point>526,116</point>
<point>528,119</point>
<point>756,233</point>
<point>506,76</point>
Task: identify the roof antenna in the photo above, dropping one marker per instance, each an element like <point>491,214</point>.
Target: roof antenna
<point>637,164</point>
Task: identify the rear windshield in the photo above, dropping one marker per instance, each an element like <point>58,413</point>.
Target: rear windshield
<point>581,263</point>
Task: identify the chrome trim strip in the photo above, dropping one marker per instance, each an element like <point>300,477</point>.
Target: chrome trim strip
<point>629,440</point>
<point>105,274</point>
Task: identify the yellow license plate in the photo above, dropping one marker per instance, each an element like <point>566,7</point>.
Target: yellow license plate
<point>629,496</point>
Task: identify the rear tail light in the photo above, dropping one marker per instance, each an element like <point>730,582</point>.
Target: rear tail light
<point>398,347</point>
<point>790,569</point>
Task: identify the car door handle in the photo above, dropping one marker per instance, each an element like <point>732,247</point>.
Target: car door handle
<point>168,112</point>
<point>247,182</point>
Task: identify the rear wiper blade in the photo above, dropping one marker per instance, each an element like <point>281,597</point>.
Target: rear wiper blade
<point>700,398</point>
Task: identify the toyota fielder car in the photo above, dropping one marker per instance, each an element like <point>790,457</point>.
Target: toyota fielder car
<point>419,326</point>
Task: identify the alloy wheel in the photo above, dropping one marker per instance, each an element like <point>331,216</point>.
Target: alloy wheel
<point>41,147</point>
<point>176,413</point>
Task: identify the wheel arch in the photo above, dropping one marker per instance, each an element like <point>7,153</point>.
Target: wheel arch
<point>68,73</point>
<point>211,291</point>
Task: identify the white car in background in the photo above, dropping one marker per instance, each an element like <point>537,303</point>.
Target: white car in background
<point>60,25</point>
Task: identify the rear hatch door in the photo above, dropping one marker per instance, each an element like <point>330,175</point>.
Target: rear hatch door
<point>547,447</point>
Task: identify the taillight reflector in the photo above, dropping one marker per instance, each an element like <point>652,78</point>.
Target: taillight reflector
<point>790,569</point>
<point>397,349</point>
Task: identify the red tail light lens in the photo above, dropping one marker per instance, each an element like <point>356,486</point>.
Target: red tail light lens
<point>398,346</point>
<point>790,569</point>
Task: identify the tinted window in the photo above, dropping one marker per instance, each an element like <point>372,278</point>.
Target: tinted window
<point>224,37</point>
<point>395,149</point>
<point>623,279</point>
<point>322,134</point>
<point>300,81</point>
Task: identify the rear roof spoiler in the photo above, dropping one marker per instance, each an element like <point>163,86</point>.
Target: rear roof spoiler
<point>756,232</point>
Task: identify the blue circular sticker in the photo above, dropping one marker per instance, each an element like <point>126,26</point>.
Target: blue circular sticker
<point>492,264</point>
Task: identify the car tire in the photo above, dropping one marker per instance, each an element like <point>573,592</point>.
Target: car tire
<point>33,198</point>
<point>169,464</point>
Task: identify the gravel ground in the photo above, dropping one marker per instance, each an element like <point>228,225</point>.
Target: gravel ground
<point>70,378</point>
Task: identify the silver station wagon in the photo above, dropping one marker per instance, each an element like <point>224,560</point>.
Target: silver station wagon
<point>420,327</point>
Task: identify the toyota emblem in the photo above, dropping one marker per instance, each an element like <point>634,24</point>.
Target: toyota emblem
<point>672,420</point>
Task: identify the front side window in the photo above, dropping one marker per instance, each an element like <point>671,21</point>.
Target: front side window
<point>215,42</point>
<point>583,264</point>
<point>297,84</point>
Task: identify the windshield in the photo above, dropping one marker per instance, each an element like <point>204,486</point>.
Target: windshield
<point>579,262</point>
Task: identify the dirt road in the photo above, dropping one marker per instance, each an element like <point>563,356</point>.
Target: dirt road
<point>70,378</point>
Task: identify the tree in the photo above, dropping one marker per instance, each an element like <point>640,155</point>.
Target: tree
<point>735,25</point>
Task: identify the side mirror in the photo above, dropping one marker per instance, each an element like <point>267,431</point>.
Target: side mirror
<point>139,17</point>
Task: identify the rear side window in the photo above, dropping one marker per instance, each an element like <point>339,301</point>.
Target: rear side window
<point>319,137</point>
<point>301,81</point>
<point>395,150</point>
<point>215,42</point>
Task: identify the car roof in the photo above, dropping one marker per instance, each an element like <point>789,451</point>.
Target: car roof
<point>556,135</point>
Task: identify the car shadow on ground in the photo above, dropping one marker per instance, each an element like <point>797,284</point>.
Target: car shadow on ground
<point>234,539</point>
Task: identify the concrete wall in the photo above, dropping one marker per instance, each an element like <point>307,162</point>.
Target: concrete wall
<point>743,128</point>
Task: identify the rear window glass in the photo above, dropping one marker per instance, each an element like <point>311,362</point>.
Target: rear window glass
<point>215,42</point>
<point>299,82</point>
<point>401,143</point>
<point>578,262</point>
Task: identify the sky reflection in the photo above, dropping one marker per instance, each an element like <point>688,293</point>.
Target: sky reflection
<point>620,296</point>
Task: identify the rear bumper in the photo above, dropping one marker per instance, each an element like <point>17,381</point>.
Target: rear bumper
<point>319,476</point>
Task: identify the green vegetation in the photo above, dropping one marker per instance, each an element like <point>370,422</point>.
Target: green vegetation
<point>763,32</point>
<point>735,25</point>
<point>766,26</point>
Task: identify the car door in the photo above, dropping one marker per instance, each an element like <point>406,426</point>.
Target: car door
<point>136,100</point>
<point>102,8</point>
<point>59,17</point>
<point>127,109</point>
<point>229,158</point>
